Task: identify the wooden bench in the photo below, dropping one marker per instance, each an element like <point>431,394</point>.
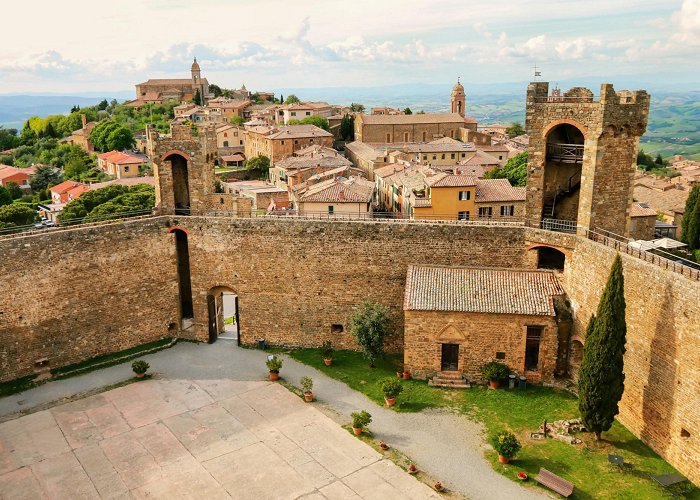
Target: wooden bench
<point>554,482</point>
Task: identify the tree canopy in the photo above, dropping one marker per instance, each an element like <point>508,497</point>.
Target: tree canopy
<point>108,135</point>
<point>515,130</point>
<point>5,196</point>
<point>357,108</point>
<point>109,200</point>
<point>347,128</point>
<point>690,224</point>
<point>44,177</point>
<point>258,166</point>
<point>17,215</point>
<point>371,325</point>
<point>515,170</point>
<point>601,377</point>
<point>291,99</point>
<point>319,121</point>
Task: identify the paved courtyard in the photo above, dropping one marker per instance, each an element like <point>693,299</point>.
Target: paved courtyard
<point>193,439</point>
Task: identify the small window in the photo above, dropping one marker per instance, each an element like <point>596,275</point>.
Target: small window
<point>434,157</point>
<point>500,355</point>
<point>425,157</point>
<point>465,195</point>
<point>424,137</point>
<point>282,143</point>
<point>464,154</point>
<point>221,200</point>
<point>388,137</point>
<point>330,209</point>
<point>296,141</point>
<point>485,211</point>
<point>443,156</point>
<point>532,348</point>
<point>463,215</point>
<point>452,156</point>
<point>507,210</point>
<point>336,328</point>
<point>308,113</point>
<point>294,113</point>
<point>225,144</point>
<point>126,169</point>
<point>405,137</point>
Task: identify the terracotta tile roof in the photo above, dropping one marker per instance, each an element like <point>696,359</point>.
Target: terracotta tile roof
<point>417,118</point>
<point>172,81</point>
<point>488,190</point>
<point>302,162</point>
<point>483,290</point>
<point>8,171</point>
<point>641,210</point>
<point>451,180</point>
<point>233,157</point>
<point>481,158</point>
<point>661,200</point>
<point>119,158</point>
<point>290,131</point>
<point>340,191</point>
<point>391,169</point>
<point>440,147</point>
<point>492,147</point>
<point>65,186</point>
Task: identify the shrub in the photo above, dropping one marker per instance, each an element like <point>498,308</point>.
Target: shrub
<point>140,366</point>
<point>506,444</point>
<point>391,387</point>
<point>493,370</point>
<point>306,384</point>
<point>370,325</point>
<point>360,419</point>
<point>274,364</point>
<point>327,350</point>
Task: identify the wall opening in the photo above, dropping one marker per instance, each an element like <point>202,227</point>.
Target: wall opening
<point>562,172</point>
<point>532,348</point>
<point>336,328</point>
<point>181,188</point>
<point>224,322</point>
<point>550,258</point>
<point>183,274</point>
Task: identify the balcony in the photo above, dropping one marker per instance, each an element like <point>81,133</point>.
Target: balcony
<point>565,153</point>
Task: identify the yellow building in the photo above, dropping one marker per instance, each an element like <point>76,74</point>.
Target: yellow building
<point>447,197</point>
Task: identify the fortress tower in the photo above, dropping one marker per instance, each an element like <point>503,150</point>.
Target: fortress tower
<point>582,155</point>
<point>458,99</point>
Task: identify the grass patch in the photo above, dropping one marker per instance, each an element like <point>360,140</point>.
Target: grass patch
<point>522,412</point>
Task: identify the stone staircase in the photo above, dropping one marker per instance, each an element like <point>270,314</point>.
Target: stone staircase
<point>451,380</point>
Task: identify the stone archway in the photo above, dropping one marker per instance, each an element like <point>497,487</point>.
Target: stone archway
<point>222,314</point>
<point>562,171</point>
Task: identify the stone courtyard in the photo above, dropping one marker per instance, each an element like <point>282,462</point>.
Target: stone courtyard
<point>193,438</point>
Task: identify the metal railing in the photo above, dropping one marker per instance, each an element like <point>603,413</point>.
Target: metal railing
<point>565,153</point>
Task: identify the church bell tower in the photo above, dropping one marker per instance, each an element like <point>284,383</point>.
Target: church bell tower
<point>458,99</point>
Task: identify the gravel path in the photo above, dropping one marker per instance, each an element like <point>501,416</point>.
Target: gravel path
<point>445,445</point>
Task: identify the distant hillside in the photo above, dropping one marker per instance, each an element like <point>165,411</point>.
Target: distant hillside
<point>16,109</point>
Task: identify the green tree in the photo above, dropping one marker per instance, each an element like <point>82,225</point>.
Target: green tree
<point>17,215</point>
<point>601,377</point>
<point>319,121</point>
<point>139,198</point>
<point>14,190</point>
<point>659,160</point>
<point>515,170</point>
<point>258,166</point>
<point>407,111</point>
<point>102,105</point>
<point>81,207</point>
<point>347,128</point>
<point>291,99</point>
<point>5,196</point>
<point>645,161</point>
<point>281,99</point>
<point>237,120</point>
<point>515,130</point>
<point>44,177</point>
<point>100,133</point>
<point>215,89</point>
<point>75,109</point>
<point>371,325</point>
<point>690,223</point>
<point>8,138</point>
<point>197,98</point>
<point>120,139</point>
<point>74,168</point>
<point>357,108</point>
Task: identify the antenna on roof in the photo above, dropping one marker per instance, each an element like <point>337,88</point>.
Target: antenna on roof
<point>537,73</point>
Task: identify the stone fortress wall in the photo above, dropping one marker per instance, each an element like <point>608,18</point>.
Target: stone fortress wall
<point>74,294</point>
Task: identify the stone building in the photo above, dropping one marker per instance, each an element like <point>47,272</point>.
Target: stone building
<point>159,90</point>
<point>583,155</point>
<point>277,142</point>
<point>409,128</point>
<point>456,319</point>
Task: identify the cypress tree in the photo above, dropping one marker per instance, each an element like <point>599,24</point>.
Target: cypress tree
<point>690,225</point>
<point>601,377</point>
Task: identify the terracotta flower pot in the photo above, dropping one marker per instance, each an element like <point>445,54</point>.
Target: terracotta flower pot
<point>383,445</point>
<point>494,384</point>
<point>438,486</point>
<point>503,460</point>
<point>357,430</point>
<point>328,361</point>
<point>274,376</point>
<point>390,401</point>
<point>406,375</point>
<point>140,375</point>
<point>412,469</point>
<point>308,397</point>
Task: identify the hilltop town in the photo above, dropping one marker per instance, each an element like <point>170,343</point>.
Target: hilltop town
<point>541,278</point>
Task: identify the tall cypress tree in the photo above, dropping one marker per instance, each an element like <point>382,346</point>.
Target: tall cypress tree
<point>601,377</point>
<point>690,225</point>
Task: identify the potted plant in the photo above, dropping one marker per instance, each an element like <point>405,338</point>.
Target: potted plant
<point>406,375</point>
<point>412,469</point>
<point>383,445</point>
<point>494,372</point>
<point>140,367</point>
<point>438,486</point>
<point>274,364</point>
<point>522,475</point>
<point>391,388</point>
<point>360,420</point>
<point>306,385</point>
<point>506,445</point>
<point>327,352</point>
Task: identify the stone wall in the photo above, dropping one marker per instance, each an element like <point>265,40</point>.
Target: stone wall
<point>71,295</point>
<point>480,337</point>
<point>662,374</point>
<point>295,279</point>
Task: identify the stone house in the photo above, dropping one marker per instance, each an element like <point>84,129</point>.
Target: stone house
<point>410,128</point>
<point>456,319</point>
<point>336,198</point>
<point>496,198</point>
<point>67,191</point>
<point>281,141</point>
<point>643,222</point>
<point>19,176</point>
<point>301,110</point>
<point>122,165</point>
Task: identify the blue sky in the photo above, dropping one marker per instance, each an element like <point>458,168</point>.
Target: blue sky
<point>88,45</point>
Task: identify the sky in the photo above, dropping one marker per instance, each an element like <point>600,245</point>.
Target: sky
<point>79,46</point>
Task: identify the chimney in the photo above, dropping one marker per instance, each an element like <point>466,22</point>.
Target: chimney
<point>83,118</point>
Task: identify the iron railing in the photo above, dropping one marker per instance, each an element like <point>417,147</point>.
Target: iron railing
<point>565,153</point>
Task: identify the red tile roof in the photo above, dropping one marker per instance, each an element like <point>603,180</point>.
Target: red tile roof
<point>488,190</point>
<point>119,158</point>
<point>65,187</point>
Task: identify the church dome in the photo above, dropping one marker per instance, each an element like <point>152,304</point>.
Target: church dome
<point>195,65</point>
<point>458,87</point>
